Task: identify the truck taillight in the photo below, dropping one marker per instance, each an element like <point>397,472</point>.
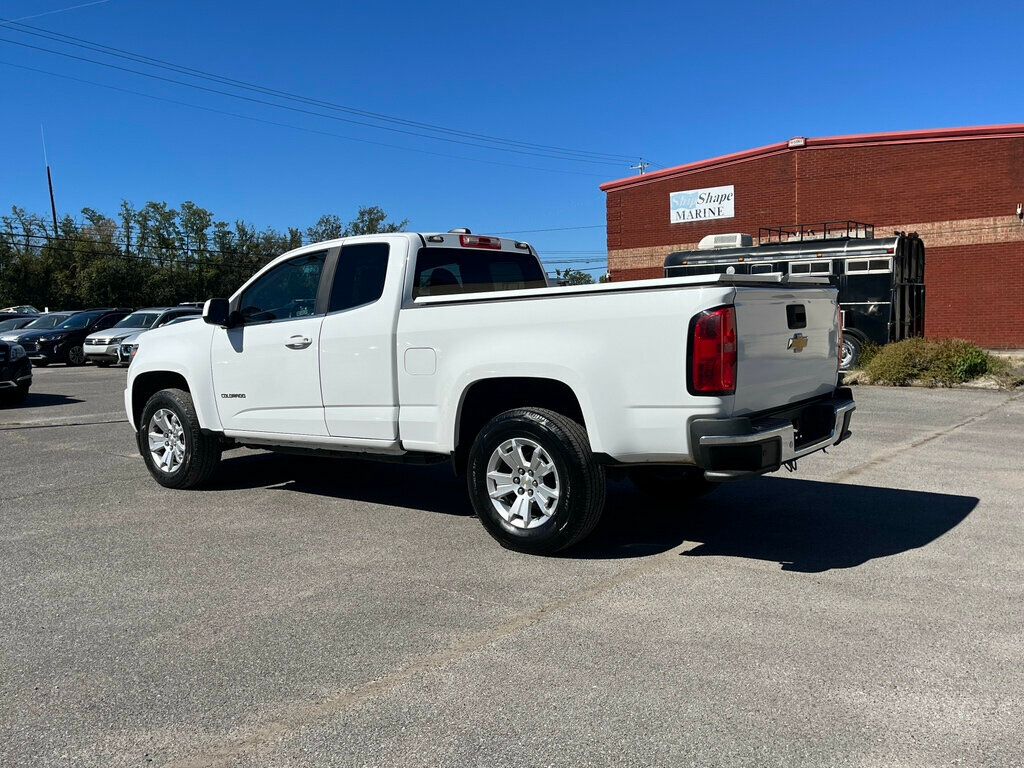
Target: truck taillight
<point>477,241</point>
<point>713,352</point>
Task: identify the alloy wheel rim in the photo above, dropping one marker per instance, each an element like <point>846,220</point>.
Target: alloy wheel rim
<point>523,483</point>
<point>76,355</point>
<point>166,441</point>
<point>847,358</point>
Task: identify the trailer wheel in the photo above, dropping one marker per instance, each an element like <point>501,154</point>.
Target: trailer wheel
<point>850,353</point>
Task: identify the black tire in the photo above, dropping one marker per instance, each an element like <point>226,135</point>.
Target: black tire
<point>202,452</point>
<point>74,359</point>
<point>671,484</point>
<point>850,353</point>
<point>581,480</point>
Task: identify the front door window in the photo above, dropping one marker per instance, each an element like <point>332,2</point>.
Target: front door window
<point>288,290</point>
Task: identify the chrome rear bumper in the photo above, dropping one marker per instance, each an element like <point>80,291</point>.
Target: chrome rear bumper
<point>732,448</point>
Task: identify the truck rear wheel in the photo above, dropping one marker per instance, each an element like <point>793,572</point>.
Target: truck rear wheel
<point>171,442</point>
<point>534,482</point>
<point>671,484</point>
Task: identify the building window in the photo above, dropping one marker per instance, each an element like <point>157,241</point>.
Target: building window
<point>764,269</point>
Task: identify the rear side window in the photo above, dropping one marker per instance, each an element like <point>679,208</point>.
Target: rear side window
<point>359,278</point>
<point>109,321</point>
<point>445,271</point>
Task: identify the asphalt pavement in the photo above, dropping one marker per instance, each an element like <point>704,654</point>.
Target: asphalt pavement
<point>866,610</point>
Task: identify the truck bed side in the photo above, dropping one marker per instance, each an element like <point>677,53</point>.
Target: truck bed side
<point>622,353</point>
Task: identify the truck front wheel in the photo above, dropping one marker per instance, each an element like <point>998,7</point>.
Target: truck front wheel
<point>175,450</point>
<point>534,482</point>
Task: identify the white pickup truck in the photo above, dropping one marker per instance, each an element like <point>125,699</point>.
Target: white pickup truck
<point>435,347</point>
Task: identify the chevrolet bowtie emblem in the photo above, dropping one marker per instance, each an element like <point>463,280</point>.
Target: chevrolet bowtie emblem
<point>797,343</point>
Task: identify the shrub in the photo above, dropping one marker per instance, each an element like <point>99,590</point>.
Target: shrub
<point>900,363</point>
<point>934,363</point>
<point>868,350</point>
<point>954,362</point>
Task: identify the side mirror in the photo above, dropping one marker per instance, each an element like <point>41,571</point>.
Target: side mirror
<point>217,312</point>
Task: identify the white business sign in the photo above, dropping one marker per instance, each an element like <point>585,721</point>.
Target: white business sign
<point>702,204</point>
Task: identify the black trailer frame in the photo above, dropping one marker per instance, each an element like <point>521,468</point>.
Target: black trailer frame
<point>880,280</point>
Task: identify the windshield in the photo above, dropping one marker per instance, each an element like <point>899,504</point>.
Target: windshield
<point>138,320</point>
<point>46,321</point>
<point>76,322</point>
<point>7,325</point>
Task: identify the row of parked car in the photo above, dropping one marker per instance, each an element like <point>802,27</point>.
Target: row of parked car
<point>101,335</point>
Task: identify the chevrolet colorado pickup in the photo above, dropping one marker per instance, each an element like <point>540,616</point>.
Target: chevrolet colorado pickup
<point>436,347</point>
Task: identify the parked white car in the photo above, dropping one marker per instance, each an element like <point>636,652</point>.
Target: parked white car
<point>452,347</point>
<point>103,347</point>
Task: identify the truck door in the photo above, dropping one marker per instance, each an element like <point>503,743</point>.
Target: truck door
<point>357,342</point>
<point>266,371</point>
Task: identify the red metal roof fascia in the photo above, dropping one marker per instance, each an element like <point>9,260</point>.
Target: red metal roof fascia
<point>937,134</point>
<point>856,140</point>
<point>735,157</point>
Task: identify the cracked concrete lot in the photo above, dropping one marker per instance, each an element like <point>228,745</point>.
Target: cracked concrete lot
<point>864,611</point>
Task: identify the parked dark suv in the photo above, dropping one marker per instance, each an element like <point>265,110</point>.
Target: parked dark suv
<point>63,343</point>
<point>15,373</point>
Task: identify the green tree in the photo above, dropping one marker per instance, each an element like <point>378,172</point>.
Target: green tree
<point>372,220</point>
<point>147,256</point>
<point>570,276</point>
<point>327,227</point>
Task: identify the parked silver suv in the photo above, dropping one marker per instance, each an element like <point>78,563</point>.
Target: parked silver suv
<point>131,341</point>
<point>103,347</point>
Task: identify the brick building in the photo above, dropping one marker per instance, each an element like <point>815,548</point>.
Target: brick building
<point>959,189</point>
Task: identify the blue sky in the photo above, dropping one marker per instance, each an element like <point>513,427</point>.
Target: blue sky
<point>671,82</point>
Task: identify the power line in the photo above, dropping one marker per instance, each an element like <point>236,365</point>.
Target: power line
<point>297,127</point>
<point>523,148</point>
<point>60,10</point>
<point>549,229</point>
<point>198,73</point>
<point>264,102</point>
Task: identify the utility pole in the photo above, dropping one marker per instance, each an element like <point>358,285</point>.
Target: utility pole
<point>640,168</point>
<point>49,181</point>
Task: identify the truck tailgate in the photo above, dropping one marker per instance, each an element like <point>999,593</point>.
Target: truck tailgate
<point>788,345</point>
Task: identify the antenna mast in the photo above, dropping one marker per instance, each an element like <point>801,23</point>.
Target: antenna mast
<point>640,168</point>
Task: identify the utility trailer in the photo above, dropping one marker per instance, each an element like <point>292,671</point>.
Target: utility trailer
<point>880,279</point>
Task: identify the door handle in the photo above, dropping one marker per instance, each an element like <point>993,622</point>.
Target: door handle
<point>298,342</point>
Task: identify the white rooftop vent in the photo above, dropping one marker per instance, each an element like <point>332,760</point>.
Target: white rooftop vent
<point>734,240</point>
